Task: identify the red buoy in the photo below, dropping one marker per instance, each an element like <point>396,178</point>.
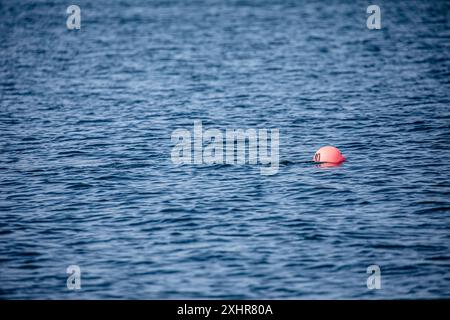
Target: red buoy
<point>329,154</point>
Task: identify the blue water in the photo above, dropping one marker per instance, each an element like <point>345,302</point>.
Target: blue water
<point>86,177</point>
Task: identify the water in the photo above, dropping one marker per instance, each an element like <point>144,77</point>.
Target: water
<point>86,176</point>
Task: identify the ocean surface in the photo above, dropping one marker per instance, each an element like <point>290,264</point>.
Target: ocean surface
<point>86,176</point>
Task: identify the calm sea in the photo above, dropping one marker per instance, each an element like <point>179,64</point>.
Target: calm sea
<point>86,177</point>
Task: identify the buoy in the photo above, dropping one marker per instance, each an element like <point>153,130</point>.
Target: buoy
<point>328,154</point>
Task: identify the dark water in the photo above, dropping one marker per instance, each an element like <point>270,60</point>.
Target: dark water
<point>86,176</point>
